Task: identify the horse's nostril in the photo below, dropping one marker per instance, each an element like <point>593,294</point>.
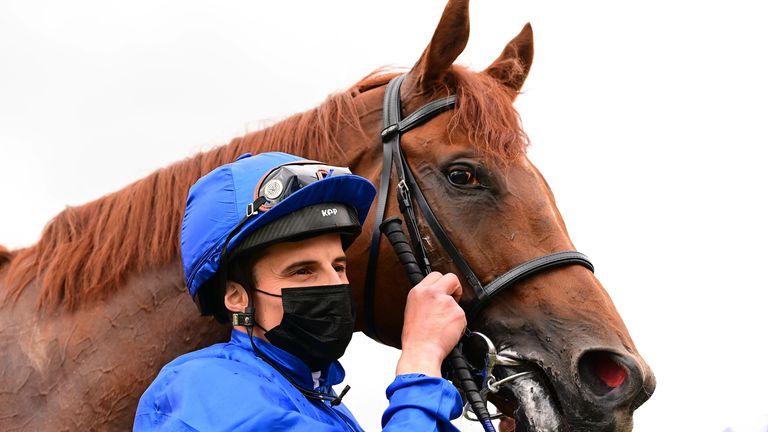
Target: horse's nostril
<point>610,372</point>
<point>602,371</point>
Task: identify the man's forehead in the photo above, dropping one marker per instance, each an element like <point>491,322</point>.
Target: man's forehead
<point>326,247</point>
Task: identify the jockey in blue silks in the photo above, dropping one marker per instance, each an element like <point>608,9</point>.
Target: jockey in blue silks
<point>262,244</point>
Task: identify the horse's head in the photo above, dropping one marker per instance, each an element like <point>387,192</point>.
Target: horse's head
<point>499,211</point>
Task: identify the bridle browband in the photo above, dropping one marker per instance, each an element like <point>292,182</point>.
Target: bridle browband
<point>407,187</point>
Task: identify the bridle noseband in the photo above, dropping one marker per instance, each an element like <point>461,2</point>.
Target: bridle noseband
<point>408,192</point>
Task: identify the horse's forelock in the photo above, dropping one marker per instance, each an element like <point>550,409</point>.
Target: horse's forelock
<point>485,112</point>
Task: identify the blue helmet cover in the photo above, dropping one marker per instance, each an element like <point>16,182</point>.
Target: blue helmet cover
<point>218,201</point>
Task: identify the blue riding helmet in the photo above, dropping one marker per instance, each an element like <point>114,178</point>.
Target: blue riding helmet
<point>264,199</point>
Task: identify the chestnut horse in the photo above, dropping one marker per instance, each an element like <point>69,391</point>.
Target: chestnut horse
<point>94,309</point>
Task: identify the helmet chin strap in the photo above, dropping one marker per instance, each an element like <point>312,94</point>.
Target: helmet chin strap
<point>247,320</point>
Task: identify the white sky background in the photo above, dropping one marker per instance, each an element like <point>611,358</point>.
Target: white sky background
<point>647,119</point>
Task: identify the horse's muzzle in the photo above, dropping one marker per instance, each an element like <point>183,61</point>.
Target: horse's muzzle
<point>607,389</point>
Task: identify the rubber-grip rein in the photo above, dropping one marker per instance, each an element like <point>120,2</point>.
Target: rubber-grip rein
<point>392,228</point>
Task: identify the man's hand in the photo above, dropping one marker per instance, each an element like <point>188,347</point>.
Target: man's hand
<point>433,324</point>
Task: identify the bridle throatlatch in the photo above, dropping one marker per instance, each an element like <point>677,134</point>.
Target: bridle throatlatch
<point>415,260</point>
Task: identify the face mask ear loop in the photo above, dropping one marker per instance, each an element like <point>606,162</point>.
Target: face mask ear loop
<point>268,293</point>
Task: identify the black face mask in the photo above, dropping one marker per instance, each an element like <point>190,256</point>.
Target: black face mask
<point>317,323</point>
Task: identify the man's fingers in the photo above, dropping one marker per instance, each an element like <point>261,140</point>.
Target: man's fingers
<point>431,278</point>
<point>456,293</point>
<point>446,283</point>
<point>451,286</point>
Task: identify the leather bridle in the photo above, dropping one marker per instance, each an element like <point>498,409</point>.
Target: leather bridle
<point>408,193</point>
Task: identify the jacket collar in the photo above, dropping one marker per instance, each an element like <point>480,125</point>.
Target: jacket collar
<point>291,365</point>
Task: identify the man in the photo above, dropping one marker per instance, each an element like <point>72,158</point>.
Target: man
<point>262,243</point>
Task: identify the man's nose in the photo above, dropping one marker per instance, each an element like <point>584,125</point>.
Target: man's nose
<point>333,277</point>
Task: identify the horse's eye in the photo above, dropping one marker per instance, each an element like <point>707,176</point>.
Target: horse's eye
<point>462,176</point>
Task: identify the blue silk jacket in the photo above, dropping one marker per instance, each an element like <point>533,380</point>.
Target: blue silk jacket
<point>226,387</point>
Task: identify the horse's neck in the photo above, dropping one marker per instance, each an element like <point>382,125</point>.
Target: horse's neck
<point>110,350</point>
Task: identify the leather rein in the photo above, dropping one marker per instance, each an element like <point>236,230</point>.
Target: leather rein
<point>409,193</point>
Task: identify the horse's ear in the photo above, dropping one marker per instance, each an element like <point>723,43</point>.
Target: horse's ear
<point>447,43</point>
<point>514,63</point>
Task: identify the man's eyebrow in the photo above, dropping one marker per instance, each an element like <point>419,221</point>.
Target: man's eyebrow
<point>304,263</point>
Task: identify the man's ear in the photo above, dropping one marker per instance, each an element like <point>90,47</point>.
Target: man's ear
<point>235,298</point>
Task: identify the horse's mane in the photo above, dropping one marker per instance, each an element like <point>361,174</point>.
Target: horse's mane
<point>86,252</point>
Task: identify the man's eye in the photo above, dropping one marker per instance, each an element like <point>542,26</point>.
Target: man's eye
<point>302,271</point>
<point>340,268</point>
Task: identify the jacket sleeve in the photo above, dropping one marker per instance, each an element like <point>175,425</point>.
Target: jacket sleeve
<point>421,403</point>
